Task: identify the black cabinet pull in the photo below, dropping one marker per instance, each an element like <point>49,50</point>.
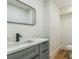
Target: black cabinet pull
<point>44,50</point>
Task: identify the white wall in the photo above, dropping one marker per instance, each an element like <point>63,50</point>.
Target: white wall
<point>47,18</point>
<point>55,27</point>
<point>52,24</point>
<point>26,30</point>
<point>66,29</point>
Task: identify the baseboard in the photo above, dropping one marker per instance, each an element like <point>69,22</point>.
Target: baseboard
<point>54,53</point>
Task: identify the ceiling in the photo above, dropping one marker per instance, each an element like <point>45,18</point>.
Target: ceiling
<point>63,3</point>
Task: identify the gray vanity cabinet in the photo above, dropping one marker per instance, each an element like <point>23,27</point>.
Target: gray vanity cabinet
<point>40,51</point>
<point>30,53</point>
<point>44,50</point>
<point>44,55</point>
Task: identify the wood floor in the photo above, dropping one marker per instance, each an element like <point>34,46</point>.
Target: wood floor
<point>62,54</point>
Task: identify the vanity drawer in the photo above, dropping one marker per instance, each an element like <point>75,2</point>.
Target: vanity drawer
<point>44,55</point>
<point>44,46</point>
<point>25,54</point>
<point>44,50</point>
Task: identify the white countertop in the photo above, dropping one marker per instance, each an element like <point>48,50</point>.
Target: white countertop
<point>17,46</point>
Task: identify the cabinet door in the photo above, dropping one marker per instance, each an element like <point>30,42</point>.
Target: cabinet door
<point>44,55</point>
<point>36,57</point>
<point>28,57</point>
<point>25,54</point>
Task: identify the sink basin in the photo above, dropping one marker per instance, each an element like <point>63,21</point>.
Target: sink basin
<point>25,42</point>
<point>29,41</point>
<point>21,43</point>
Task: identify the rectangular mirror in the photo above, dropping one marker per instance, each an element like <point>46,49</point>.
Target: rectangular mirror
<point>20,13</point>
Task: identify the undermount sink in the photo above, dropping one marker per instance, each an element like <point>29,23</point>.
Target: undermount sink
<point>29,41</point>
<point>24,42</point>
<point>21,43</point>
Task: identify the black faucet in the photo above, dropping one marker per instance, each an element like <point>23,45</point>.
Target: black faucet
<point>18,37</point>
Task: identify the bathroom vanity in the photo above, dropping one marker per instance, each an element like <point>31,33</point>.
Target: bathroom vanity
<point>21,13</point>
<point>37,50</point>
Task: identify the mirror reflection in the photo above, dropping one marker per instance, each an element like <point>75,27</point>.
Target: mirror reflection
<point>20,13</point>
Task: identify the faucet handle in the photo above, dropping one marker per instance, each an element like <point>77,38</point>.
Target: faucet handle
<point>18,34</point>
<point>18,37</point>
